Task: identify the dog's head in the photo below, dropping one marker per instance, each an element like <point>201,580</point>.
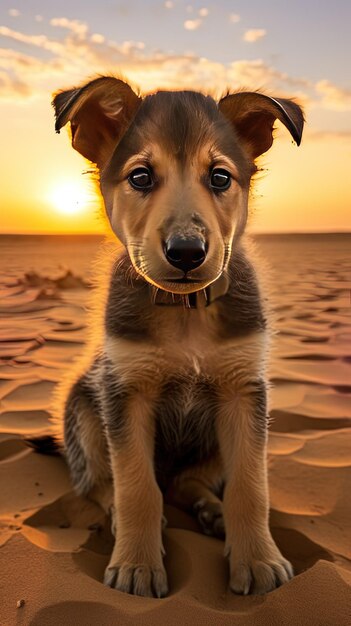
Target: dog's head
<point>175,170</point>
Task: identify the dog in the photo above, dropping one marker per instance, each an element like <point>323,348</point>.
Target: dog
<point>174,403</point>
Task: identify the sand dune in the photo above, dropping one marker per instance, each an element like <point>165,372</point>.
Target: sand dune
<point>55,546</point>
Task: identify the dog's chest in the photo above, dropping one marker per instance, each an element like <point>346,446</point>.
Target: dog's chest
<point>187,348</point>
<point>188,338</point>
<point>185,421</point>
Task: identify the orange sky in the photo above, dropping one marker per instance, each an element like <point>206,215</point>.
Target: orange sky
<point>43,188</point>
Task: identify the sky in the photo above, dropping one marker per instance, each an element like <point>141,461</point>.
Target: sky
<point>297,49</point>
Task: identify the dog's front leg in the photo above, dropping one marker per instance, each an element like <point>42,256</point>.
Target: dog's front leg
<point>136,562</point>
<point>256,564</point>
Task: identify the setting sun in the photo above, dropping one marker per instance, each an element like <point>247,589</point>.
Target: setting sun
<point>70,197</point>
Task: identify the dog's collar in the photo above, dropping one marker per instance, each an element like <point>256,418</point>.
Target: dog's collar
<point>196,299</point>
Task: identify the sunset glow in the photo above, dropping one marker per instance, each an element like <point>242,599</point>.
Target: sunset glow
<point>70,197</point>
<point>174,45</point>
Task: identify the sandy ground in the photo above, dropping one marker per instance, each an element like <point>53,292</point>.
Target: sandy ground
<point>55,546</point>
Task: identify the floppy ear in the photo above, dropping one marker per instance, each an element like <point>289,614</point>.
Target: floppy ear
<point>253,115</point>
<point>99,112</point>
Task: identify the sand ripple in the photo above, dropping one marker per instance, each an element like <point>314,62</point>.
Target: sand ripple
<point>62,542</point>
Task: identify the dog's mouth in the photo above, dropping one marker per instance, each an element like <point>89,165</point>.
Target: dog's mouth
<point>182,281</point>
<point>182,286</point>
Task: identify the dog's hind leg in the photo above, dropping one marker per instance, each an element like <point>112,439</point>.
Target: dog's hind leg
<point>84,439</point>
<point>197,490</point>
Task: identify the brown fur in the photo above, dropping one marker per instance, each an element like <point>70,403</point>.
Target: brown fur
<point>175,400</point>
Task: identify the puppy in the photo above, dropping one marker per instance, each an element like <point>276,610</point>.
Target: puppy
<point>174,400</point>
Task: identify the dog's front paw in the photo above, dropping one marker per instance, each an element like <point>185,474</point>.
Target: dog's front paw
<point>139,579</point>
<point>260,571</point>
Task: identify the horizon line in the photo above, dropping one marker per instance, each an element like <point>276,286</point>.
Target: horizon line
<point>103,234</point>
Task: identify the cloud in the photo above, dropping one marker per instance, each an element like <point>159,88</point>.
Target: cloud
<point>76,54</point>
<point>204,12</point>
<point>130,47</point>
<point>254,34</point>
<point>168,4</point>
<point>256,74</point>
<point>24,76</point>
<point>76,50</point>
<point>14,60</point>
<point>192,24</point>
<point>14,12</point>
<point>97,38</point>
<point>39,18</point>
<point>40,41</point>
<point>333,97</point>
<point>11,87</point>
<point>75,26</point>
<point>234,18</point>
<point>76,58</point>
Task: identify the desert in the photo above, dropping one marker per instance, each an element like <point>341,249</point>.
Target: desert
<point>55,545</point>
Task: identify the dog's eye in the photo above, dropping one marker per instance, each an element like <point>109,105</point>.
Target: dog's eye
<point>220,179</point>
<point>141,178</point>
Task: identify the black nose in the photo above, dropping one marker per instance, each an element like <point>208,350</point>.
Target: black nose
<point>185,254</point>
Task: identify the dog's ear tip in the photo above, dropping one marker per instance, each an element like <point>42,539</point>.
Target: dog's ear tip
<point>62,102</point>
<point>55,106</point>
<point>292,117</point>
<point>297,136</point>
<point>58,124</point>
<point>296,132</point>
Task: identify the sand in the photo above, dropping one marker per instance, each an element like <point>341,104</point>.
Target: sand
<point>54,546</point>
